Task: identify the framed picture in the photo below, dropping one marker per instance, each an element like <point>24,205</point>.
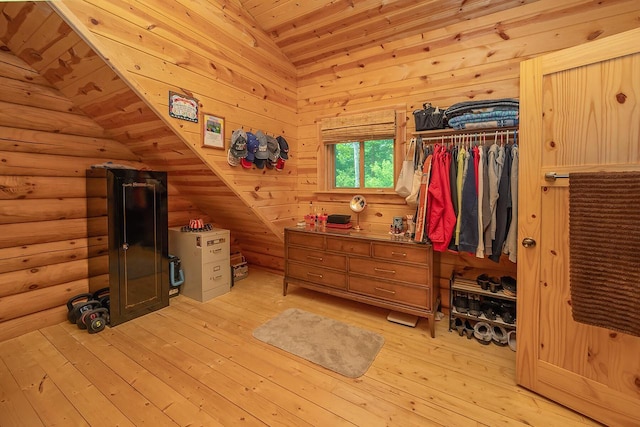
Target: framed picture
<point>212,131</point>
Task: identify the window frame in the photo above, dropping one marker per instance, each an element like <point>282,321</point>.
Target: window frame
<point>326,164</point>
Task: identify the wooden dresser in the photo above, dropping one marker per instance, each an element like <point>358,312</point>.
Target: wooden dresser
<point>372,268</point>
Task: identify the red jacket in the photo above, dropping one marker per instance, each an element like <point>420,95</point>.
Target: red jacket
<point>441,218</point>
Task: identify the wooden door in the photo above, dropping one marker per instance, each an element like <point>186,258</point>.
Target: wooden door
<point>580,112</point>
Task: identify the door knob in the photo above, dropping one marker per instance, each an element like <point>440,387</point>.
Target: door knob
<point>528,242</point>
<point>125,246</point>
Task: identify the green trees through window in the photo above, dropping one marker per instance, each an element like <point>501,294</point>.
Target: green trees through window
<point>364,164</point>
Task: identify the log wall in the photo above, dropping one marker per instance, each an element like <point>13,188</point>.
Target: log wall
<point>46,145</point>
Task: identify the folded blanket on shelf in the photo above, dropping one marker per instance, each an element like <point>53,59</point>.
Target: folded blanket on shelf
<point>490,105</point>
<point>497,118</point>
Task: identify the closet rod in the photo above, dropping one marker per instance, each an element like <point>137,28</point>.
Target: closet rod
<point>466,134</point>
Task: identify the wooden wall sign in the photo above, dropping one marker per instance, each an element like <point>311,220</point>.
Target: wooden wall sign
<point>183,107</point>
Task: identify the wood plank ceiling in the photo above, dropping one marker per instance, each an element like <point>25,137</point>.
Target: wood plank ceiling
<point>305,31</point>
<point>312,30</point>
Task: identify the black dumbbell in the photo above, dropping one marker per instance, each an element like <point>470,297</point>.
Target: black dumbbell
<point>85,308</point>
<point>102,295</point>
<point>74,304</point>
<point>95,320</point>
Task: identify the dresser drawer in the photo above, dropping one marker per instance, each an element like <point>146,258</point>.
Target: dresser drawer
<point>318,275</point>
<point>305,239</point>
<point>407,253</point>
<point>319,258</point>
<point>405,294</point>
<point>349,245</point>
<point>389,270</point>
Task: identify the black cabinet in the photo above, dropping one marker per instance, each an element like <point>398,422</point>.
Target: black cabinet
<point>128,208</point>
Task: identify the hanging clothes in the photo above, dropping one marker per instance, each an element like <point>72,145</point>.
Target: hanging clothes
<point>486,205</point>
<point>480,174</point>
<point>468,241</point>
<point>494,164</point>
<point>511,243</point>
<point>441,218</point>
<point>503,206</point>
<point>421,215</point>
<point>471,196</point>
<point>462,157</point>
<point>453,185</point>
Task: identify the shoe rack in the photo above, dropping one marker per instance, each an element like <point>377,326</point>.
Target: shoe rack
<point>481,309</point>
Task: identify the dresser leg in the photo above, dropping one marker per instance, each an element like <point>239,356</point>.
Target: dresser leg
<point>284,287</point>
<point>432,326</point>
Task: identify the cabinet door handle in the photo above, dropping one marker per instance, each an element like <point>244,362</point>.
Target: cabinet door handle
<point>315,258</point>
<point>382,270</point>
<point>386,290</point>
<point>315,275</point>
<point>402,254</point>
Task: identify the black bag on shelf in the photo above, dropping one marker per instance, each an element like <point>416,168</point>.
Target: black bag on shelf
<point>429,118</point>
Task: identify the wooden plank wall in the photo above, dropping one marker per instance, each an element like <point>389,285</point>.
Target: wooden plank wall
<point>46,145</point>
<point>474,59</point>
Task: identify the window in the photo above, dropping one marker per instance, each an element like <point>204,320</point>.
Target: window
<point>359,151</point>
<point>363,164</point>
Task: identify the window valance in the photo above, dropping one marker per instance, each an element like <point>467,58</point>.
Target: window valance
<point>356,127</point>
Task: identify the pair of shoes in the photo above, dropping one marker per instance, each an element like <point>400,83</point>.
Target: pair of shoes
<point>508,285</point>
<point>461,302</point>
<point>511,340</point>
<point>483,281</point>
<point>468,329</point>
<point>489,309</point>
<point>508,312</point>
<point>463,328</point>
<point>474,305</point>
<point>499,335</point>
<point>494,284</point>
<point>458,325</point>
<point>482,332</point>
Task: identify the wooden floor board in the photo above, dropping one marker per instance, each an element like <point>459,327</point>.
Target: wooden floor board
<point>148,352</point>
<point>82,394</point>
<point>197,364</point>
<point>15,409</point>
<point>43,394</point>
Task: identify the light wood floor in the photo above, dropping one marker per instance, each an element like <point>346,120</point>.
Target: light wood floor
<point>194,364</point>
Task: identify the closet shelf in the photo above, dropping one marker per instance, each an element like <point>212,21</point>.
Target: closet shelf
<point>451,131</point>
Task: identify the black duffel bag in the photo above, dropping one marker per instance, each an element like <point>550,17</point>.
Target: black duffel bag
<point>429,118</point>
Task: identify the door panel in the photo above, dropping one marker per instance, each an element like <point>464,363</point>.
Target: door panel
<point>141,251</point>
<point>576,116</point>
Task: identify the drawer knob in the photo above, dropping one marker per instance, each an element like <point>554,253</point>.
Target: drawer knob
<point>386,290</point>
<point>382,270</point>
<point>315,258</point>
<point>315,275</point>
<point>402,254</point>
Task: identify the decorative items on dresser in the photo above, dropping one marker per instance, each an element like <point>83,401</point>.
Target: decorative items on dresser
<point>376,269</point>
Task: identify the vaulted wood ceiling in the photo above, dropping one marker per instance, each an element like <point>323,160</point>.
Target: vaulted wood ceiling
<point>310,30</point>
